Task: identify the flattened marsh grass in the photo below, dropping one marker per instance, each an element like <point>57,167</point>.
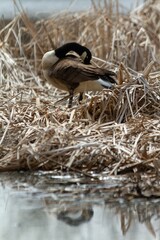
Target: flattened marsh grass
<point>113,131</point>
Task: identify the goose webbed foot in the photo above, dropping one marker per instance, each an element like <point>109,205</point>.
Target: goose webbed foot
<point>80,98</point>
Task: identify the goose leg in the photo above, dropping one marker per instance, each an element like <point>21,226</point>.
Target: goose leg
<point>80,97</point>
<point>70,99</point>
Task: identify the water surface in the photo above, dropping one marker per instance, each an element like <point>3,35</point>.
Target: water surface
<point>44,206</point>
<point>47,7</point>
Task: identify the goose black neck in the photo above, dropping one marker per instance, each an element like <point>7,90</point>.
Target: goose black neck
<point>76,47</point>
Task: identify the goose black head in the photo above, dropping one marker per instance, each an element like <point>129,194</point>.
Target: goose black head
<point>82,51</point>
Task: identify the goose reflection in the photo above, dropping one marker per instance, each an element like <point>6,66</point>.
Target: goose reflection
<point>75,217</point>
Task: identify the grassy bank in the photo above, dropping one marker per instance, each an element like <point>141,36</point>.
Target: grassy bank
<point>118,131</point>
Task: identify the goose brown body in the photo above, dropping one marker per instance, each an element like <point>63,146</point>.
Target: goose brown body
<point>69,73</point>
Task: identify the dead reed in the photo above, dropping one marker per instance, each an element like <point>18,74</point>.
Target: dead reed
<point>114,131</point>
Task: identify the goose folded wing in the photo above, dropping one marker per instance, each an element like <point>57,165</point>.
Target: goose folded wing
<point>72,71</point>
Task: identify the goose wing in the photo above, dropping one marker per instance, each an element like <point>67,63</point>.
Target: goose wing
<point>73,71</point>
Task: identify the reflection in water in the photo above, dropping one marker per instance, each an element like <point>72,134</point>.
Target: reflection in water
<point>34,212</point>
<point>70,217</point>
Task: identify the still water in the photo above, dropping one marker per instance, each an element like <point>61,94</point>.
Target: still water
<point>42,206</point>
<point>39,8</point>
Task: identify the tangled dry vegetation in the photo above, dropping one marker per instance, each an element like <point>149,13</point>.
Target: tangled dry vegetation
<point>115,132</point>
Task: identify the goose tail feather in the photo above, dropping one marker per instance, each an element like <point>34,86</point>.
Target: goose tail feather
<point>107,81</point>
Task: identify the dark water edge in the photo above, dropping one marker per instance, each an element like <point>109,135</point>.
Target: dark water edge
<point>46,206</point>
<point>44,8</point>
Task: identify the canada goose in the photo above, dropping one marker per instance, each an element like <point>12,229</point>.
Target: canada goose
<point>67,72</point>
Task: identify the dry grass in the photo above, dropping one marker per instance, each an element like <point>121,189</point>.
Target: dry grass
<point>114,131</point>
